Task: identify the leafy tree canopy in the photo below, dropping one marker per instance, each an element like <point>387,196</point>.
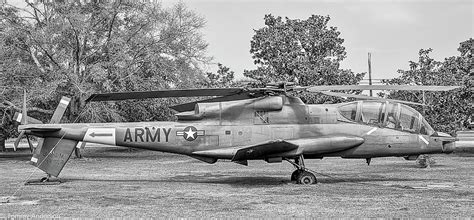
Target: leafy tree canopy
<point>62,48</point>
<point>306,51</point>
<point>224,77</point>
<point>446,111</point>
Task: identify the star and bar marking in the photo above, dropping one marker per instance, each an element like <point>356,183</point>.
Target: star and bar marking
<point>190,133</point>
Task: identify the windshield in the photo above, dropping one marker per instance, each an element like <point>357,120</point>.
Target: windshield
<point>409,119</point>
<point>386,114</point>
<point>426,129</point>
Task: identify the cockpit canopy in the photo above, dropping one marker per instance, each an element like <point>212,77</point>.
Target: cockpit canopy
<point>385,114</point>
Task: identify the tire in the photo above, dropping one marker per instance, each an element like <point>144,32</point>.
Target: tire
<point>306,178</point>
<point>295,174</point>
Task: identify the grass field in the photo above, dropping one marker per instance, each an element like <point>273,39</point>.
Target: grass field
<point>114,182</point>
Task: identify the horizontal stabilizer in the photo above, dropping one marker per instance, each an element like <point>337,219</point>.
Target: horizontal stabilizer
<point>52,154</point>
<point>38,128</point>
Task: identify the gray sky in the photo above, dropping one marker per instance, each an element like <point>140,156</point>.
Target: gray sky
<point>392,30</point>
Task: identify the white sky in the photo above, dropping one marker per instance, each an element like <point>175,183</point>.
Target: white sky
<point>393,31</point>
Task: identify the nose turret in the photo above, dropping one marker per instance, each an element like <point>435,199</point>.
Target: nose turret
<point>445,141</point>
<point>449,147</point>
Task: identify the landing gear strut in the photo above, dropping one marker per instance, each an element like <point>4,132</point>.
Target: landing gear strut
<point>302,175</point>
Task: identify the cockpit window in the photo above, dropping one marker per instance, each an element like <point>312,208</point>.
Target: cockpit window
<point>386,114</point>
<point>408,119</point>
<point>392,119</point>
<point>372,112</point>
<point>349,111</point>
<point>426,129</point>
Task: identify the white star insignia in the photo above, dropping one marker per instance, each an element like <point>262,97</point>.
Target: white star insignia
<point>190,134</point>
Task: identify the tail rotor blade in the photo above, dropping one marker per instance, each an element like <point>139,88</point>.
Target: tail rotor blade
<point>29,143</point>
<point>24,119</point>
<point>59,112</point>
<point>18,139</point>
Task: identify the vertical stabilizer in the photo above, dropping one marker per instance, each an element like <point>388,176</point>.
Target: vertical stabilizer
<point>56,119</point>
<point>53,154</point>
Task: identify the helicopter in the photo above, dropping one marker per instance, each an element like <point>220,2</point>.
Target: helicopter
<point>242,124</point>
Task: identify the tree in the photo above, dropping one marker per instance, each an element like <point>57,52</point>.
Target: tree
<point>63,48</point>
<point>224,77</point>
<point>306,51</point>
<point>445,111</point>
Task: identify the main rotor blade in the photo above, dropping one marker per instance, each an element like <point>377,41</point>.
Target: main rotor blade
<point>338,94</point>
<point>381,87</point>
<point>163,94</point>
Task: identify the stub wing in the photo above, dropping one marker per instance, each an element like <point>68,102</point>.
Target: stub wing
<point>286,148</point>
<point>327,144</point>
<point>262,150</point>
<point>258,151</point>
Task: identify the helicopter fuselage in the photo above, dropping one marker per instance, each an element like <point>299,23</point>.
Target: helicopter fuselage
<point>363,129</point>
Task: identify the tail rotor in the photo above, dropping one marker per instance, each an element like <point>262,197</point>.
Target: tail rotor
<point>23,119</point>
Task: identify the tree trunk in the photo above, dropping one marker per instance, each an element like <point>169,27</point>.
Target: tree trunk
<point>2,143</point>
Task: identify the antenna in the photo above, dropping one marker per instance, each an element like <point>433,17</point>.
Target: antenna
<point>369,55</point>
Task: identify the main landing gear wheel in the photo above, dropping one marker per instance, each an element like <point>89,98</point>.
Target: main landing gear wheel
<point>306,178</point>
<point>295,174</point>
<point>301,175</point>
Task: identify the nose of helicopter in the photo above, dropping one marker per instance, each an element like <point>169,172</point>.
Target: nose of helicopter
<point>449,147</point>
<point>445,141</point>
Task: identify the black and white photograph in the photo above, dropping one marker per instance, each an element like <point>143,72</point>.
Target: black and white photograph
<point>236,109</point>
